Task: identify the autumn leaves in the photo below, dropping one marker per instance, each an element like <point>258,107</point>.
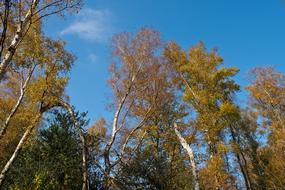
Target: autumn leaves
<point>176,122</point>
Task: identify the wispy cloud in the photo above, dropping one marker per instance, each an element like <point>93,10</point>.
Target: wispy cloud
<point>91,24</point>
<point>92,57</point>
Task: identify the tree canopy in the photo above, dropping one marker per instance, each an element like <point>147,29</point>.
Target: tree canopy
<point>176,120</point>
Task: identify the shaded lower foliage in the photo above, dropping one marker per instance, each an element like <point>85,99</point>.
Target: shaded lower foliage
<point>52,160</point>
<point>154,173</point>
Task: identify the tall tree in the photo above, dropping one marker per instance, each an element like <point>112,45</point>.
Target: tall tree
<point>208,88</point>
<point>134,66</point>
<point>44,92</point>
<point>267,92</point>
<point>21,16</point>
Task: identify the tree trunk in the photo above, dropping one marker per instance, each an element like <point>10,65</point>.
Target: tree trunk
<point>18,149</point>
<point>5,18</point>
<point>190,153</point>
<point>21,29</point>
<point>243,167</point>
<point>244,172</point>
<point>17,105</point>
<point>85,185</point>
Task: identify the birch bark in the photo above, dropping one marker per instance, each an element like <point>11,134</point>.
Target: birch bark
<point>190,153</point>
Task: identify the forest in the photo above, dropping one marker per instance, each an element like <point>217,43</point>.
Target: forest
<point>176,124</point>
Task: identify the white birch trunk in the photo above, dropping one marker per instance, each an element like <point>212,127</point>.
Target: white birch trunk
<point>190,153</point>
<point>18,149</point>
<point>17,105</point>
<point>85,185</point>
<point>21,29</point>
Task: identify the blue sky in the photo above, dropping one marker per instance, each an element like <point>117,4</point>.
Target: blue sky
<point>247,33</point>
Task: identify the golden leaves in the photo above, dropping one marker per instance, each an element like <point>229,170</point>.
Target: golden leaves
<point>98,128</point>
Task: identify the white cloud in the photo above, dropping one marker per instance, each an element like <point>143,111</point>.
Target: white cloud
<point>92,57</point>
<point>91,24</point>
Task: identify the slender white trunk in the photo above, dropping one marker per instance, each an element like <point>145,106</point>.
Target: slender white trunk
<point>190,153</point>
<point>117,114</point>
<point>116,118</point>
<point>85,185</point>
<point>21,30</point>
<point>17,105</point>
<point>18,149</point>
<point>115,122</point>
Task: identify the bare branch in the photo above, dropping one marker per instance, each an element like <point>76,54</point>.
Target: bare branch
<point>134,130</point>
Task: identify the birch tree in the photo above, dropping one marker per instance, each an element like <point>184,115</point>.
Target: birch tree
<point>20,17</point>
<point>267,92</point>
<point>208,89</point>
<point>190,153</point>
<point>135,67</point>
<point>44,92</point>
<point>33,58</point>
